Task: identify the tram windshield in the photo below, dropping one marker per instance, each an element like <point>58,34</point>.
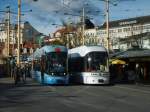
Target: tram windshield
<point>56,63</point>
<point>96,61</point>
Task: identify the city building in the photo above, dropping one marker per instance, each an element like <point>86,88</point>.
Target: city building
<point>28,35</point>
<point>132,38</point>
<point>127,33</point>
<point>91,37</point>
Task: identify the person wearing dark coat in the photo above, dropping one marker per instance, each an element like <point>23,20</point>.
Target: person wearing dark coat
<point>16,74</point>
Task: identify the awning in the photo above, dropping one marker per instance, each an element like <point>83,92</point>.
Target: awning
<point>117,61</point>
<point>131,53</point>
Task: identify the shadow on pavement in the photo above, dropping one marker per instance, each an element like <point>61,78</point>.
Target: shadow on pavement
<point>6,86</point>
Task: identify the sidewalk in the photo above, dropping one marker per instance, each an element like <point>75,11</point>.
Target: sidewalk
<point>8,82</point>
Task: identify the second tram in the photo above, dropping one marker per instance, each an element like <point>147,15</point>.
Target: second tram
<point>89,65</point>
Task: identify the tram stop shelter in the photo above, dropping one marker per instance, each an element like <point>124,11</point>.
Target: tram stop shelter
<point>117,61</point>
<point>132,57</point>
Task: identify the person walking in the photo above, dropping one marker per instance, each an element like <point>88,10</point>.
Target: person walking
<point>138,74</point>
<point>12,65</point>
<point>42,69</point>
<point>16,74</point>
<point>22,73</point>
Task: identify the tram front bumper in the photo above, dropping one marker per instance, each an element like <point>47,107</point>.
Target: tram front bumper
<point>96,80</point>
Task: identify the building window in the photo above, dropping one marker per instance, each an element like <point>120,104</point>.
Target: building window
<point>126,29</point>
<point>146,27</point>
<point>111,31</point>
<point>137,28</point>
<point>119,30</point>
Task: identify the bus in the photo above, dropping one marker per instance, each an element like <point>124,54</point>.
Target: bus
<point>88,65</point>
<point>51,61</point>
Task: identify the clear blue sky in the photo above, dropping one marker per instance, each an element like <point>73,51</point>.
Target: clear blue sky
<point>47,12</point>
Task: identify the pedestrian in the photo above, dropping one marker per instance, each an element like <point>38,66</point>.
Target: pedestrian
<point>131,75</point>
<point>138,74</point>
<point>29,70</point>
<point>22,73</point>
<point>125,73</point>
<point>12,64</point>
<point>42,69</point>
<point>112,73</point>
<point>16,74</point>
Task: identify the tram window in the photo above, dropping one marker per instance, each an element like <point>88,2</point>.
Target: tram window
<point>94,60</point>
<point>47,62</point>
<point>56,62</point>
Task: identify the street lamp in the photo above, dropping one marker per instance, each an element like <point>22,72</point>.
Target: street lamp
<point>83,25</point>
<point>107,24</point>
<point>19,35</point>
<point>8,29</point>
<point>18,39</point>
<point>83,13</point>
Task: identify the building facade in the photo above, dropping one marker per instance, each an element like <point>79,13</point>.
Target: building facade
<point>126,33</point>
<point>28,34</point>
<point>91,37</point>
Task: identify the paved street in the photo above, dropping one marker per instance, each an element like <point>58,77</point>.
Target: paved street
<point>33,97</point>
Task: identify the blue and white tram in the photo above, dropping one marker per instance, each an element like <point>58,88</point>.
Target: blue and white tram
<point>53,58</point>
<point>88,65</point>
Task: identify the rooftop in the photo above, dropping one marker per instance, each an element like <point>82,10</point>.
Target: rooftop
<point>130,21</point>
<point>132,53</point>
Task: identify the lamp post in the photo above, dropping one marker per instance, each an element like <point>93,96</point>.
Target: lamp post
<point>8,37</point>
<point>83,24</point>
<point>107,31</point>
<point>83,17</point>
<point>19,31</point>
<point>107,20</point>
<point>18,36</point>
<point>8,30</point>
<point>107,24</point>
